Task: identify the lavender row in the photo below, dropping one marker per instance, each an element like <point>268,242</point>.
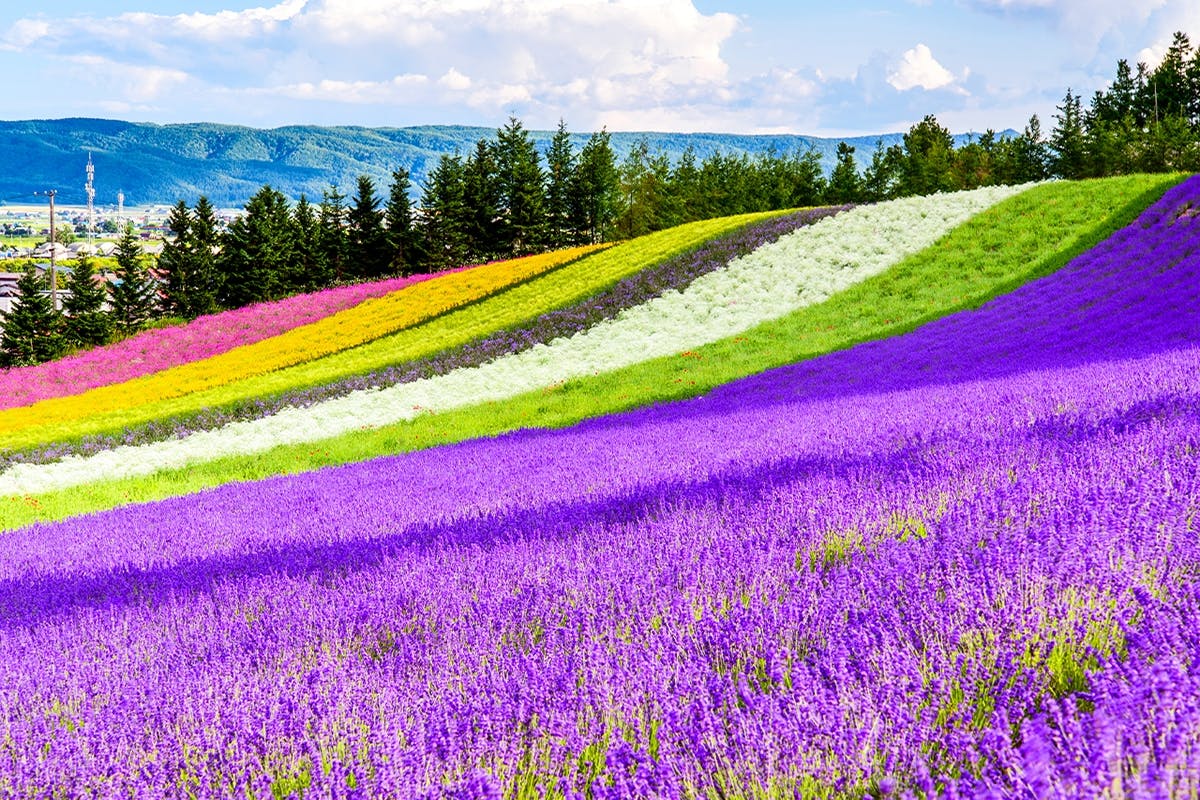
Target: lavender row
<point>672,274</point>
<point>851,619</point>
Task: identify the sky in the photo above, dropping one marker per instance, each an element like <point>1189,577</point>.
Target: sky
<point>840,68</point>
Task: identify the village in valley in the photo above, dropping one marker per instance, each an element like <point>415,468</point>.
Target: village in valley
<point>78,231</point>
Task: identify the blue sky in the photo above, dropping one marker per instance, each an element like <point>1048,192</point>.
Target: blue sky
<point>829,68</point>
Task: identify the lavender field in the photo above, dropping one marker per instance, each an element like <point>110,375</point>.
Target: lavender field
<point>962,562</point>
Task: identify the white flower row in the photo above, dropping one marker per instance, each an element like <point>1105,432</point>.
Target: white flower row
<point>804,267</point>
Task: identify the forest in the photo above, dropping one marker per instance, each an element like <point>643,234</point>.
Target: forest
<point>503,199</point>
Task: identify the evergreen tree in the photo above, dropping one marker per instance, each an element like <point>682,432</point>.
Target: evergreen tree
<point>333,240</point>
<point>685,185</point>
<point>175,261</point>
<point>790,182</point>
<point>32,328</point>
<point>643,192</point>
<point>1031,159</point>
<point>86,323</point>
<point>306,273</point>
<point>133,294</point>
<point>398,215</point>
<point>594,190</point>
<point>1173,82</point>
<point>482,201</point>
<point>257,251</point>
<point>560,165</point>
<point>522,202</point>
<point>443,223</point>
<point>845,184</point>
<point>882,177</point>
<point>205,244</point>
<point>928,162</point>
<point>1067,140</point>
<point>368,239</point>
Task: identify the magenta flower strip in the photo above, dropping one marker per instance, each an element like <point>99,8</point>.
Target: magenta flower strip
<point>155,350</point>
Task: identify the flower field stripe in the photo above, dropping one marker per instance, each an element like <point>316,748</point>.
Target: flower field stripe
<point>798,584</point>
<point>1029,235</point>
<point>155,350</point>
<point>517,304</point>
<point>671,274</point>
<point>368,320</point>
<point>797,270</point>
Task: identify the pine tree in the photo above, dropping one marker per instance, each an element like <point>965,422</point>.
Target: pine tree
<point>32,328</point>
<point>86,323</point>
<point>481,198</point>
<point>306,273</point>
<point>205,241</point>
<point>685,185</point>
<point>398,215</point>
<point>1067,140</point>
<point>560,164</point>
<point>882,177</point>
<point>845,185</point>
<point>364,228</point>
<point>522,201</point>
<point>333,240</point>
<point>595,190</point>
<point>1031,158</point>
<point>444,215</point>
<point>176,261</point>
<point>257,251</point>
<point>133,294</point>
<point>928,151</point>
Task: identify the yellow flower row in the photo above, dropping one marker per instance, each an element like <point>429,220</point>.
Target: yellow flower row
<point>351,327</point>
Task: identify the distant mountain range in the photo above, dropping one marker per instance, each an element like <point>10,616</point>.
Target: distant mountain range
<point>162,164</point>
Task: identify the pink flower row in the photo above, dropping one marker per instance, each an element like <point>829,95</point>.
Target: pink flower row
<point>162,348</point>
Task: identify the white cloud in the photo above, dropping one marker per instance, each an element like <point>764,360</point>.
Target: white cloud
<point>918,68</point>
<point>455,81</point>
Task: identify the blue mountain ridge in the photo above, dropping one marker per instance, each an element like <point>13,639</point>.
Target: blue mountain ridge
<point>162,164</point>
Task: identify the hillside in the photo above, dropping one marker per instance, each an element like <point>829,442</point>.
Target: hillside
<point>161,164</point>
<point>886,500</point>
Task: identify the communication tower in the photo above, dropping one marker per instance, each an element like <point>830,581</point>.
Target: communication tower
<point>91,196</point>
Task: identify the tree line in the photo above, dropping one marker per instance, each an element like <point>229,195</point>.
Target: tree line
<point>505,199</point>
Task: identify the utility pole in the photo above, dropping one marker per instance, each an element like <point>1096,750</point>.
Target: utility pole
<point>53,272</point>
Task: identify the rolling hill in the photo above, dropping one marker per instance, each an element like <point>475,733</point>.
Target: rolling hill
<point>161,164</point>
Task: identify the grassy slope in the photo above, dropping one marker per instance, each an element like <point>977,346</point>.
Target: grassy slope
<point>1022,238</point>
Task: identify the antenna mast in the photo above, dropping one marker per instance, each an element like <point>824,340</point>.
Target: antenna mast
<point>91,196</point>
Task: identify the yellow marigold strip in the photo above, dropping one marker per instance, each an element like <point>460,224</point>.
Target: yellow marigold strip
<point>355,326</point>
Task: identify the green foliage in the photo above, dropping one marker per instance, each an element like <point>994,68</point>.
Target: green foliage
<point>522,220</point>
<point>444,215</point>
<point>560,165</point>
<point>368,238</point>
<point>594,191</point>
<point>32,329</point>
<point>332,240</point>
<point>257,251</point>
<point>133,294</point>
<point>86,324</point>
<point>404,255</point>
<point>187,261</point>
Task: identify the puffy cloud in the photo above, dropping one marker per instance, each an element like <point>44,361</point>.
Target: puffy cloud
<point>918,68</point>
<point>495,55</point>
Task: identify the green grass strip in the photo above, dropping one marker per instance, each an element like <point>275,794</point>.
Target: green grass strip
<point>510,307</point>
<point>1025,237</point>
